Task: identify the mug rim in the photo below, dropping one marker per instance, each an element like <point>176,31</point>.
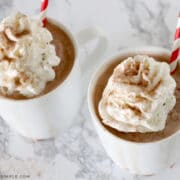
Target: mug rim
<point>98,72</point>
<point>63,83</point>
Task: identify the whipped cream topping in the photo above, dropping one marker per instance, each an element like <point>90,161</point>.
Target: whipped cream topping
<point>27,56</point>
<point>138,96</point>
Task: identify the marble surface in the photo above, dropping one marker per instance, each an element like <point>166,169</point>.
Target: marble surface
<point>77,154</point>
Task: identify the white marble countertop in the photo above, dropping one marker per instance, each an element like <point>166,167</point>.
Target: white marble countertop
<point>77,154</point>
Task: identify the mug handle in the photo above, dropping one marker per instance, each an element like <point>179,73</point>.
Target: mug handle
<point>89,34</point>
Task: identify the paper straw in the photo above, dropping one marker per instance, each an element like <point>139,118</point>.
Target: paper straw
<point>176,48</point>
<point>44,5</point>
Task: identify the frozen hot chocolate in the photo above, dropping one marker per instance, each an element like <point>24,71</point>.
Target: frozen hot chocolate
<point>139,95</point>
<point>135,106</point>
<point>33,60</point>
<point>138,108</point>
<point>26,56</point>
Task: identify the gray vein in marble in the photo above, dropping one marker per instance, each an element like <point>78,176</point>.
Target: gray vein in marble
<point>4,131</point>
<point>147,24</point>
<point>81,146</point>
<point>45,149</point>
<point>76,149</point>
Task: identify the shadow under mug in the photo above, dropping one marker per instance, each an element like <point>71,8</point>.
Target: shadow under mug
<point>139,158</point>
<point>50,114</point>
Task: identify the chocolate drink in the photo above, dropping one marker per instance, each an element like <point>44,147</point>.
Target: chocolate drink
<point>65,50</point>
<point>173,121</point>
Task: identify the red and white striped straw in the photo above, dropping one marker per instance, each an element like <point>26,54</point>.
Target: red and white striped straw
<point>44,5</point>
<point>175,56</point>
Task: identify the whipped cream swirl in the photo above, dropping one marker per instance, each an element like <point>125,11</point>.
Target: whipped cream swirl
<point>138,96</point>
<point>27,56</point>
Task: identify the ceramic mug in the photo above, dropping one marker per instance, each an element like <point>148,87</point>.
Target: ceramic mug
<point>139,158</point>
<point>48,115</point>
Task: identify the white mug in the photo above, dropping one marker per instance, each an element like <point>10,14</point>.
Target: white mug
<point>50,114</point>
<point>139,158</point>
